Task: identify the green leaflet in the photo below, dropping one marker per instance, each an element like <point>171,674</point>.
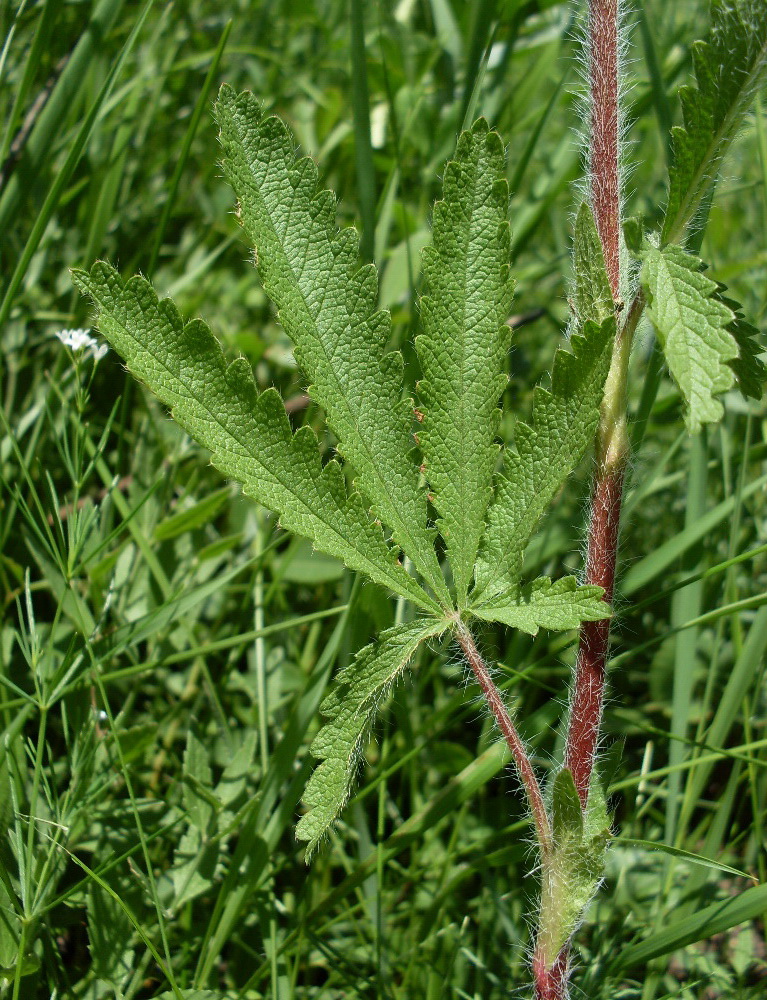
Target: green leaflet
<point>351,708</point>
<point>728,70</point>
<point>692,325</point>
<point>593,296</point>
<point>327,305</point>
<point>465,341</point>
<point>748,367</point>
<point>558,606</point>
<point>249,435</point>
<point>563,426</point>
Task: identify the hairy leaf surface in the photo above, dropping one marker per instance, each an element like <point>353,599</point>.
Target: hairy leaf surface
<point>248,434</point>
<point>693,329</point>
<point>465,341</point>
<point>558,606</point>
<point>547,451</point>
<point>729,67</point>
<point>327,305</point>
<point>351,709</point>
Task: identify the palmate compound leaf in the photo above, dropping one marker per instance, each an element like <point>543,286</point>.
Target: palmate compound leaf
<point>558,606</point>
<point>692,323</point>
<point>464,344</point>
<point>327,305</point>
<point>248,434</point>
<point>351,708</point>
<point>729,67</point>
<point>547,450</point>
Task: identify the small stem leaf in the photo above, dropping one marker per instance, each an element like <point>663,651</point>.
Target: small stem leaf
<point>573,868</point>
<point>570,878</point>
<point>566,814</point>
<point>351,709</point>
<point>593,297</point>
<point>327,305</point>
<point>693,329</point>
<point>465,342</point>
<point>633,234</point>
<point>729,67</point>
<point>542,604</point>
<point>563,426</point>
<point>249,435</point>
<point>596,817</point>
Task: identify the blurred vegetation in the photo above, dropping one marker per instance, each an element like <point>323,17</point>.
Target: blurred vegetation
<point>165,646</point>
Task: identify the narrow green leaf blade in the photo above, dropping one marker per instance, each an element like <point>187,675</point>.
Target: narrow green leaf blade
<point>465,341</point>
<point>559,606</point>
<point>678,852</point>
<point>715,919</point>
<point>547,451</point>
<point>351,709</point>
<point>327,305</point>
<point>729,67</point>
<point>693,329</point>
<point>249,435</point>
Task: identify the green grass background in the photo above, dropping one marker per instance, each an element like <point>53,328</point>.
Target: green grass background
<point>164,647</point>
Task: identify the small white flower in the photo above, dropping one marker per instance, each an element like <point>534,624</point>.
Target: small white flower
<point>81,340</point>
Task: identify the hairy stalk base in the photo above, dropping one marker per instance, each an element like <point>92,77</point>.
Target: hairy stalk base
<point>494,698</point>
<point>551,984</point>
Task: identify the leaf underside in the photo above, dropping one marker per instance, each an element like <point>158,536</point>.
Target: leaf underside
<point>693,326</point>
<point>248,434</point>
<point>547,450</point>
<point>465,342</point>
<point>558,606</point>
<point>729,67</point>
<point>351,708</point>
<point>327,305</point>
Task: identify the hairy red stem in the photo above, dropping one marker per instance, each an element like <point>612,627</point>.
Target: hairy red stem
<point>604,132</point>
<point>611,444</point>
<point>586,703</point>
<point>551,984</point>
<point>509,730</point>
<point>607,493</point>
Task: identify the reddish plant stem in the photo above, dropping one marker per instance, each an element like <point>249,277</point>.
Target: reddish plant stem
<point>604,137</point>
<point>611,445</point>
<point>551,984</point>
<point>508,729</point>
<point>588,692</point>
<point>551,975</point>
